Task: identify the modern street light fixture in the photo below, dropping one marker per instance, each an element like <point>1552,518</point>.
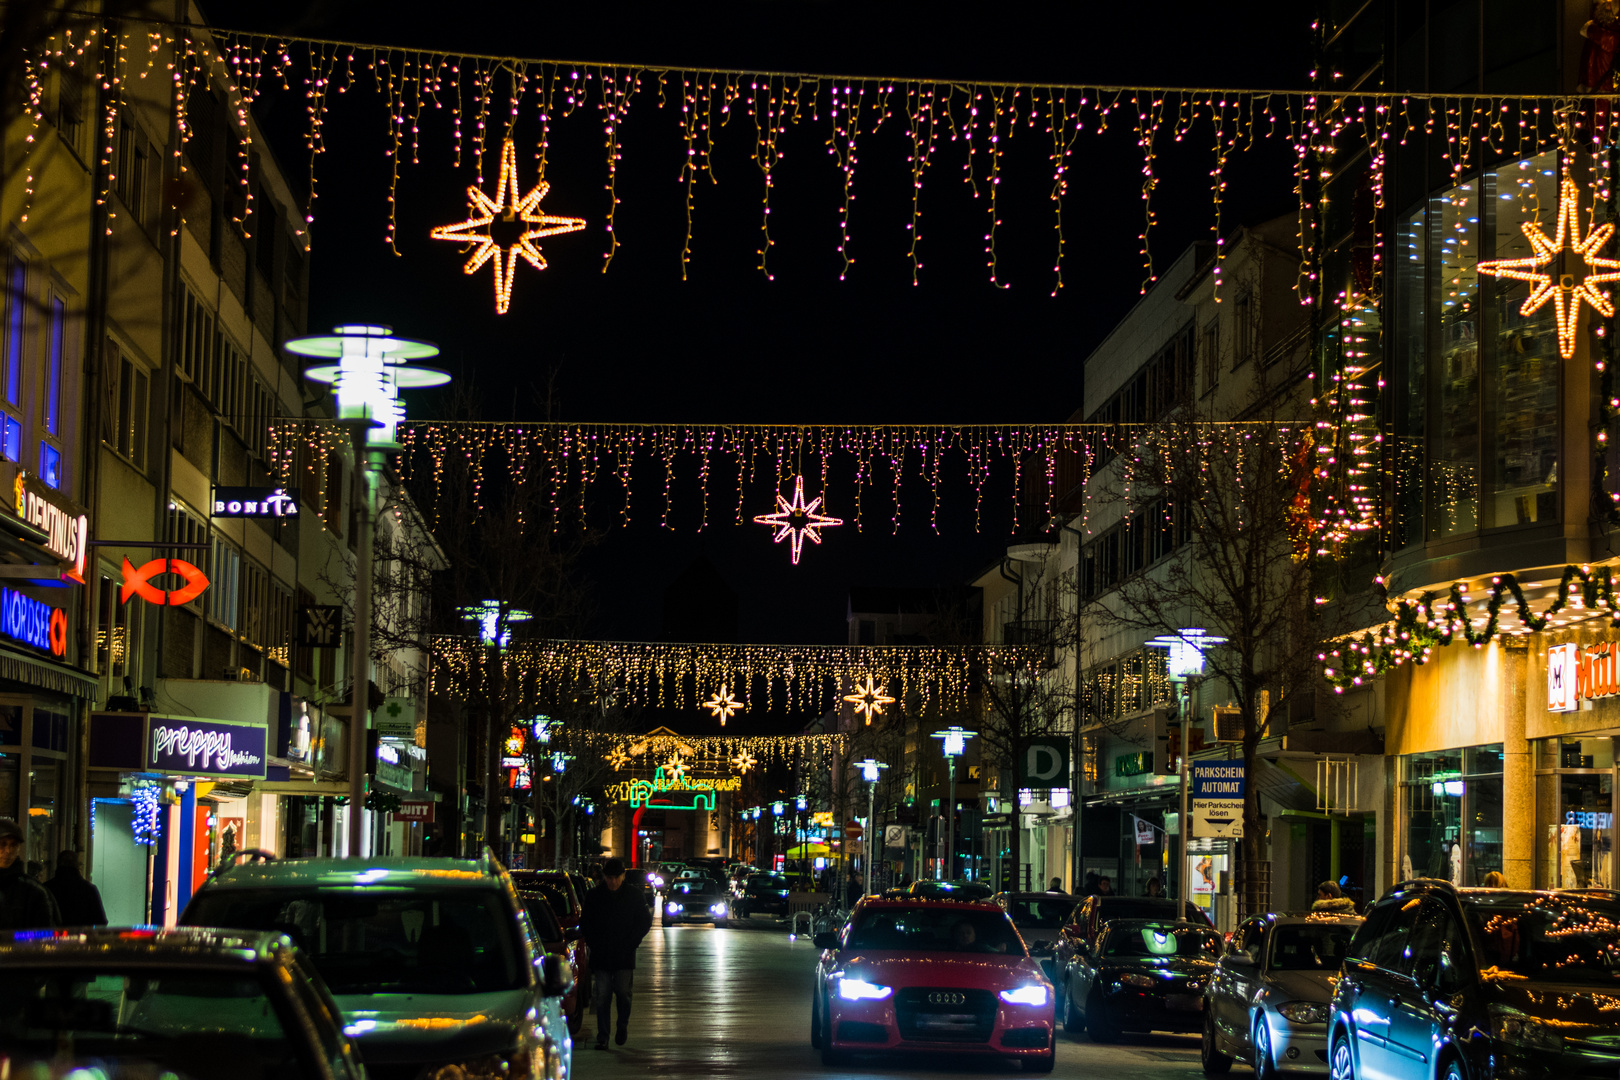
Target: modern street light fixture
<point>870,768</point>
<point>955,740</point>
<point>369,373</point>
<point>1186,671</point>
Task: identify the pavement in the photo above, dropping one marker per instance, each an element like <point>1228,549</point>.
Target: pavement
<point>736,1003</point>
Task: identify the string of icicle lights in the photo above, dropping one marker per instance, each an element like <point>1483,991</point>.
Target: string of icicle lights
<point>856,470</point>
<point>463,105</point>
<point>639,755</point>
<point>804,678</point>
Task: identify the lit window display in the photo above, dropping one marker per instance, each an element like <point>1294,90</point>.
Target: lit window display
<point>1451,803</point>
<point>1575,813</point>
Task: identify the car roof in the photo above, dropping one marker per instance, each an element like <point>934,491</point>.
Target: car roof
<point>929,902</point>
<point>1038,896</point>
<point>197,945</point>
<point>1126,924</point>
<point>1306,918</point>
<point>394,871</point>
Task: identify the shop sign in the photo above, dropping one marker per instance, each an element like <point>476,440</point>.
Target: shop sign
<point>138,582</point>
<point>1217,780</point>
<point>255,502</point>
<point>415,810</point>
<point>390,770</point>
<point>1133,764</point>
<point>320,626</point>
<point>396,719</point>
<point>1581,672</point>
<point>1044,763</point>
<point>67,532</point>
<point>192,747</point>
<point>1589,819</point>
<point>33,622</point>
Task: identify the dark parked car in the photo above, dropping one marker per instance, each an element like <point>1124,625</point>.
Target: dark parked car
<point>1268,1002</point>
<point>183,1003</point>
<point>763,893</point>
<point>950,890</point>
<point>1142,975</point>
<point>637,877</point>
<point>1474,983</point>
<point>565,943</point>
<point>1039,917</point>
<point>1091,912</point>
<point>558,890</point>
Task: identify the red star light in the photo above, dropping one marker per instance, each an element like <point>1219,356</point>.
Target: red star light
<point>481,211</point>
<point>1565,294</point>
<point>797,521</point>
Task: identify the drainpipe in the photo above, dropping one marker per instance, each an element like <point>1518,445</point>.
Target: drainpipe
<point>1077,750</point>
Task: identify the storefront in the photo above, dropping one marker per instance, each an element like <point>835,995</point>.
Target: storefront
<point>1130,798</point>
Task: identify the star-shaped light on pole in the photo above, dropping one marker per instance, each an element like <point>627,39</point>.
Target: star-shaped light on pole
<point>797,520</point>
<point>481,211</point>
<point>722,704</point>
<point>869,700</point>
<point>1565,294</point>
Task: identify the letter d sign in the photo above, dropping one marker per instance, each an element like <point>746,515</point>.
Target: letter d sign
<point>1044,764</point>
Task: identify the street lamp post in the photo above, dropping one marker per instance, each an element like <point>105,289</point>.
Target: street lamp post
<point>1186,670</point>
<point>869,772</point>
<point>369,374</point>
<point>955,744</point>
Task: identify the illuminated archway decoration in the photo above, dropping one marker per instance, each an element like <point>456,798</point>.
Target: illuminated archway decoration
<point>657,792</point>
<point>481,211</point>
<point>722,704</point>
<point>138,582</point>
<point>797,520</point>
<point>1565,294</point>
<point>869,700</point>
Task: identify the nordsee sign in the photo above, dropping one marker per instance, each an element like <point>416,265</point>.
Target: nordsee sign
<point>185,745</point>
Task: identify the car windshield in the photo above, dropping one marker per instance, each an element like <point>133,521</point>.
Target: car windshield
<point>1565,938</point>
<point>380,940</point>
<point>186,1023</point>
<point>954,890</point>
<point>767,881</point>
<point>538,905</point>
<point>1038,914</point>
<point>1310,947</point>
<point>1161,939</point>
<point>695,887</point>
<point>936,929</point>
<point>1144,907</point>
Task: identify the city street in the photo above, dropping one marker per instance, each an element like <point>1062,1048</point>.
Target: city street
<point>736,1002</point>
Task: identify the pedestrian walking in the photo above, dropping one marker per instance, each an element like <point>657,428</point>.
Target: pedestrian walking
<point>853,890</point>
<point>613,920</point>
<point>77,900</point>
<point>24,903</point>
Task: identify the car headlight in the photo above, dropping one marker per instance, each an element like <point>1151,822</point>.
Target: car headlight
<point>781,892</point>
<point>1034,994</point>
<point>657,882</point>
<point>673,908</point>
<point>1137,979</point>
<point>717,909</point>
<point>861,990</point>
<point>1524,1032</point>
<point>1304,1012</point>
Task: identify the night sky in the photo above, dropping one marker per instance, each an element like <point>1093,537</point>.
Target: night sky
<point>639,344</point>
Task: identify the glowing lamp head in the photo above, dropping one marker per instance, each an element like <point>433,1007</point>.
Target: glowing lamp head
<point>488,617</point>
<point>369,373</point>
<point>869,769</point>
<point>1187,651</point>
<point>955,739</point>
<point>542,729</point>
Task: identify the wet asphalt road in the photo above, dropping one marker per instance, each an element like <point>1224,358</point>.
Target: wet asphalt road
<point>736,1003</point>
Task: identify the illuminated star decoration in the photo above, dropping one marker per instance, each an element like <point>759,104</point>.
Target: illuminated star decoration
<point>1566,295</point>
<point>618,758</point>
<point>869,699</point>
<point>481,211</point>
<point>675,768</point>
<point>722,704</point>
<point>744,761</point>
<point>797,520</point>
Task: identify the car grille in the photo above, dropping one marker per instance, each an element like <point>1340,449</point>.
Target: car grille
<point>945,1014</point>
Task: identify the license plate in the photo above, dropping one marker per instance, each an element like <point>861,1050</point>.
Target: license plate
<point>947,1021</point>
<point>1183,1002</point>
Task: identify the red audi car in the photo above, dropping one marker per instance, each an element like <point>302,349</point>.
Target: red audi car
<point>916,975</point>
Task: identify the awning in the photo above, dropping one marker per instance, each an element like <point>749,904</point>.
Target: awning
<point>37,671</point>
<point>336,788</point>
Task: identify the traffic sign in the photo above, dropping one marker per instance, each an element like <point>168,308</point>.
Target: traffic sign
<point>894,836</point>
<point>1218,817</point>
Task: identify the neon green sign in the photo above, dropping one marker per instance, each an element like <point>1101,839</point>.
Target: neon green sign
<point>656,792</point>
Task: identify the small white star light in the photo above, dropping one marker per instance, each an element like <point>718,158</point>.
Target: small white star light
<point>744,761</point>
<point>675,768</point>
<point>618,758</point>
<point>869,700</point>
<point>722,704</point>
<point>1561,289</point>
<point>481,211</point>
<point>796,520</point>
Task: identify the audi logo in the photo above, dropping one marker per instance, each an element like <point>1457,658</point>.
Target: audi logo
<point>947,999</point>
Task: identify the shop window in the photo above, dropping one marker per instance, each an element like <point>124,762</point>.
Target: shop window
<point>113,624</point>
<point>1452,812</point>
<point>1575,813</point>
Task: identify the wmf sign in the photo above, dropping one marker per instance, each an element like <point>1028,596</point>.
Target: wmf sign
<point>1044,763</point>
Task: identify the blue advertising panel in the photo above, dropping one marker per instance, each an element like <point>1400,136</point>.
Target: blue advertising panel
<point>1217,780</point>
<point>185,745</point>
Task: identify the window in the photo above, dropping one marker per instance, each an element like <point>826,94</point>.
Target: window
<point>186,528</point>
<point>113,628</point>
<point>1243,330</point>
<point>224,591</point>
<point>127,394</point>
<point>70,105</point>
<point>50,465</point>
<point>16,321</point>
<point>53,366</point>
<point>134,177</point>
<point>1210,348</point>
<point>10,437</point>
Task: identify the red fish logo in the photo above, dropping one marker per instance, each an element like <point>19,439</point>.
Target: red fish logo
<point>138,582</point>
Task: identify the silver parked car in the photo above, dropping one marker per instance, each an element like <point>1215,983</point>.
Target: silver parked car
<point>1268,1000</point>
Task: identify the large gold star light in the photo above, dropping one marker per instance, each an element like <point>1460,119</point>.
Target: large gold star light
<point>797,520</point>
<point>1565,294</point>
<point>481,211</point>
<point>722,704</point>
<point>869,699</point>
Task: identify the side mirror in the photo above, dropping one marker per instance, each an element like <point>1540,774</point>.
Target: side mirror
<point>556,976</point>
<point>826,939</point>
<point>570,933</point>
<point>1241,958</point>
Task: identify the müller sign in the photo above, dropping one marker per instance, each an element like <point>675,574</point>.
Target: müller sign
<point>1579,672</point>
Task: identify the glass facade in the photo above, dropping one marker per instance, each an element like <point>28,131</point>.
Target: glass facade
<point>1451,803</point>
<point>1575,813</point>
<point>1479,404</point>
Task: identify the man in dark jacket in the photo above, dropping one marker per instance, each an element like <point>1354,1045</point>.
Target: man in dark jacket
<point>613,921</point>
<point>77,899</point>
<point>24,903</point>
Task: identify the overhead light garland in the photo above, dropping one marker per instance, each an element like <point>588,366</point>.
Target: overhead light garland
<point>805,678</point>
<point>707,755</point>
<point>481,214</point>
<point>1421,625</point>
